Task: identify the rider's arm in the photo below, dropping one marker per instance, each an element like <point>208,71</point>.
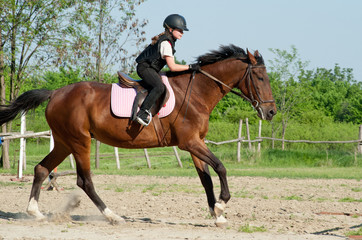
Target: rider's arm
<point>174,67</point>
<point>167,54</point>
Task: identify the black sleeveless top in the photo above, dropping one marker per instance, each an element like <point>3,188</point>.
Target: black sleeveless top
<point>152,54</point>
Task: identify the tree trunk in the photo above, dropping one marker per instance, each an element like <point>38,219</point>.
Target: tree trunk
<point>5,145</point>
<point>13,58</point>
<point>99,57</point>
<point>284,126</point>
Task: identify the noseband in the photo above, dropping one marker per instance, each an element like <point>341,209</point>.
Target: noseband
<point>255,102</point>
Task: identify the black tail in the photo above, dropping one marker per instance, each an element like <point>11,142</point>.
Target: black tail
<point>25,102</point>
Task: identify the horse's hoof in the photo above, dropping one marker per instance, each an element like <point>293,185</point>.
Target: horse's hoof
<point>221,222</point>
<point>219,208</point>
<point>113,218</point>
<point>37,215</point>
<point>116,220</point>
<point>212,212</point>
<point>33,210</point>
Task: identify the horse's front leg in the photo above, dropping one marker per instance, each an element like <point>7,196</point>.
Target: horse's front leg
<point>204,174</point>
<point>201,153</point>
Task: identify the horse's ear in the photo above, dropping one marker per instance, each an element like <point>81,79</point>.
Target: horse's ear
<point>256,54</point>
<point>252,58</point>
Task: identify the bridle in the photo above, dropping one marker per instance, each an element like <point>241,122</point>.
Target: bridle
<point>255,101</point>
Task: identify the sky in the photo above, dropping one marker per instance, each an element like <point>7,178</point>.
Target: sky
<point>325,32</point>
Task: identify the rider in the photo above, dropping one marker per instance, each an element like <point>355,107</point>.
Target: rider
<point>150,62</point>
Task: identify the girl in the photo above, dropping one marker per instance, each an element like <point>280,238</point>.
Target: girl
<point>150,62</point>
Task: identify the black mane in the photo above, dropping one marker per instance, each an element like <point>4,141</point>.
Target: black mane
<point>225,52</point>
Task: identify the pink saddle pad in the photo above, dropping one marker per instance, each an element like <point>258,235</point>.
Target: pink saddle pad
<point>122,100</point>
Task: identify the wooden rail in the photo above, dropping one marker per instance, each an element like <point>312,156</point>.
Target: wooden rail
<point>25,135</point>
<point>260,139</point>
<point>309,141</point>
<point>239,140</point>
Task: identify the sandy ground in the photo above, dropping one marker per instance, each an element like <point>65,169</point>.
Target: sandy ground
<point>176,208</point>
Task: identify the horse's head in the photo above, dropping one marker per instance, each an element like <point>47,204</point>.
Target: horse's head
<point>255,87</point>
<point>252,80</point>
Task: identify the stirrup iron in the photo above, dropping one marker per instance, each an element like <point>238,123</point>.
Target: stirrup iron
<point>140,121</point>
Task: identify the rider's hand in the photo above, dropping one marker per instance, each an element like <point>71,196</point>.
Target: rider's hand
<point>194,67</point>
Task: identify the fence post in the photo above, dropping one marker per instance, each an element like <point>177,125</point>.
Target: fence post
<point>177,156</point>
<point>239,137</point>
<point>22,147</point>
<point>147,158</point>
<point>51,147</point>
<point>98,144</point>
<point>259,143</point>
<point>117,157</point>
<point>247,131</point>
<point>71,160</point>
<point>5,154</point>
<point>24,156</point>
<point>360,139</point>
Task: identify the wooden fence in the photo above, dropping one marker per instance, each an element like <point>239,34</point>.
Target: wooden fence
<point>259,139</point>
<point>23,135</point>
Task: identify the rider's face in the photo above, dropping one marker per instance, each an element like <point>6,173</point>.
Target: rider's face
<point>177,33</point>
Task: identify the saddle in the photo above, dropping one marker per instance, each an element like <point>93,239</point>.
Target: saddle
<point>141,93</point>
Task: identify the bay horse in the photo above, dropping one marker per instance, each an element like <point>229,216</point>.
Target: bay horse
<point>80,111</point>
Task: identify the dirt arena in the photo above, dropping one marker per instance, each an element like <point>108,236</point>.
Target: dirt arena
<point>176,208</point>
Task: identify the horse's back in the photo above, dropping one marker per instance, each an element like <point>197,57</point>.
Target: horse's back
<point>76,102</point>
<point>80,91</point>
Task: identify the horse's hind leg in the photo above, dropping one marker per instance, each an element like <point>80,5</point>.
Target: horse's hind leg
<point>84,181</point>
<point>41,172</point>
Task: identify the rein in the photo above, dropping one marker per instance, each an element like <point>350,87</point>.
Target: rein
<point>255,103</point>
<point>218,81</point>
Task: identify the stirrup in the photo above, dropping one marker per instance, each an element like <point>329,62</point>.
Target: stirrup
<point>140,120</point>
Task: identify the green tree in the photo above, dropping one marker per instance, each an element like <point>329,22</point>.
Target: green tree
<point>33,29</point>
<point>288,82</point>
<point>337,94</point>
<point>112,31</point>
<point>29,30</point>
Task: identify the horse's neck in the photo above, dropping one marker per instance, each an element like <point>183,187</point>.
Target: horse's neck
<point>205,90</point>
<point>225,72</point>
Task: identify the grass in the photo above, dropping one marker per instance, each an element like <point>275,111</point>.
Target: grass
<point>251,229</point>
<point>357,189</point>
<point>271,163</point>
<point>357,232</point>
<point>243,194</point>
<point>293,197</point>
<point>348,199</point>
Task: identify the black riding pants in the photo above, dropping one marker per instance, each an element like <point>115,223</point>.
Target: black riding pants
<point>152,82</point>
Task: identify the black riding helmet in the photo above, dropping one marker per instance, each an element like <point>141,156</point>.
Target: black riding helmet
<point>175,21</point>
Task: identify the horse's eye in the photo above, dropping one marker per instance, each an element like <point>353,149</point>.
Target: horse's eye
<point>261,79</point>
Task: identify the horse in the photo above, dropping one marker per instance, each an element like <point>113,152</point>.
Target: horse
<point>77,112</point>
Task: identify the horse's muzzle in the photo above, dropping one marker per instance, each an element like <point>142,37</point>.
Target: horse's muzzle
<point>267,112</point>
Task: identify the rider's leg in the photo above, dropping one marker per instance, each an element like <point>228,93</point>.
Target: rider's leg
<point>152,81</point>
